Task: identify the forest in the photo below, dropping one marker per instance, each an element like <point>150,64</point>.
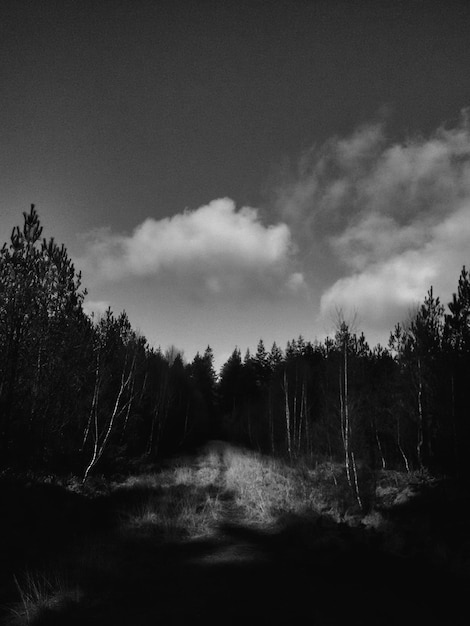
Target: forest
<point>91,417</point>
<point>82,395</point>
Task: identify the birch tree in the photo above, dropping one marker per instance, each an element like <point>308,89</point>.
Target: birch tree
<point>116,348</point>
<point>344,342</point>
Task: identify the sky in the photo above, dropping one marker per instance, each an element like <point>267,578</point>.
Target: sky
<point>230,171</point>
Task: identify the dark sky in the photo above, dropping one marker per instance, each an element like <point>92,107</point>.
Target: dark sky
<point>114,112</point>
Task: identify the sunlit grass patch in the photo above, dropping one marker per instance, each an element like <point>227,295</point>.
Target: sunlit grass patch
<point>207,475</point>
<point>264,488</point>
<point>184,475</point>
<point>180,512</point>
<point>202,474</point>
<point>181,500</point>
<point>42,594</point>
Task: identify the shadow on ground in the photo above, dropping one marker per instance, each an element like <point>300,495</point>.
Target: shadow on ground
<point>307,569</point>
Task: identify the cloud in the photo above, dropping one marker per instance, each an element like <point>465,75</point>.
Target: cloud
<point>381,220</point>
<point>215,249</point>
<point>385,290</point>
<point>95,308</point>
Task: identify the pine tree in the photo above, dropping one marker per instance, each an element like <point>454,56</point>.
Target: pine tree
<point>42,325</point>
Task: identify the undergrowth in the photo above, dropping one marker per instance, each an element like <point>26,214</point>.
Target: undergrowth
<point>41,594</point>
<point>192,499</point>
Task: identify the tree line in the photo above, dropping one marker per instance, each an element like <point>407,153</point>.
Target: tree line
<point>81,394</point>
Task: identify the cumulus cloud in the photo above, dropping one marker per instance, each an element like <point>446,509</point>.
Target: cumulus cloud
<point>215,249</point>
<point>391,218</point>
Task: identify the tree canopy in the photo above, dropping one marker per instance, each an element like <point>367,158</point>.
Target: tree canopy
<point>78,393</point>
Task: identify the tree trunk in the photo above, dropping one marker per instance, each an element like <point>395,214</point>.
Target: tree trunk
<point>420,444</point>
<point>379,445</point>
<point>405,458</point>
<point>287,415</point>
<point>99,447</point>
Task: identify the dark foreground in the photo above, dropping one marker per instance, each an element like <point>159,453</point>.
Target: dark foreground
<point>68,559</point>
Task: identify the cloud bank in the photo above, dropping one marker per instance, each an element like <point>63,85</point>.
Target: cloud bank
<point>368,223</point>
<point>215,249</point>
<point>391,219</point>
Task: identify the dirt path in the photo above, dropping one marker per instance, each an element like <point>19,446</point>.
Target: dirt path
<point>176,548</point>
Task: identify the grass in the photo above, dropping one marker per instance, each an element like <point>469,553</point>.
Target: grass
<point>267,489</point>
<point>173,513</point>
<point>263,488</point>
<point>176,502</point>
<point>40,595</point>
<point>129,523</point>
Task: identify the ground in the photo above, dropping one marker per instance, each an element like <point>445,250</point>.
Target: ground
<point>227,537</point>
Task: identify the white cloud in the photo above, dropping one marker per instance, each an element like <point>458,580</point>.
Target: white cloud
<point>376,237</point>
<point>339,183</point>
<point>382,221</point>
<point>385,290</point>
<point>215,249</point>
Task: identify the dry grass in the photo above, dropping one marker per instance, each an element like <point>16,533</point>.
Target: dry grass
<point>263,488</point>
<point>266,489</point>
<point>177,514</point>
<point>191,499</point>
<point>42,594</point>
<point>182,501</point>
<point>195,498</point>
